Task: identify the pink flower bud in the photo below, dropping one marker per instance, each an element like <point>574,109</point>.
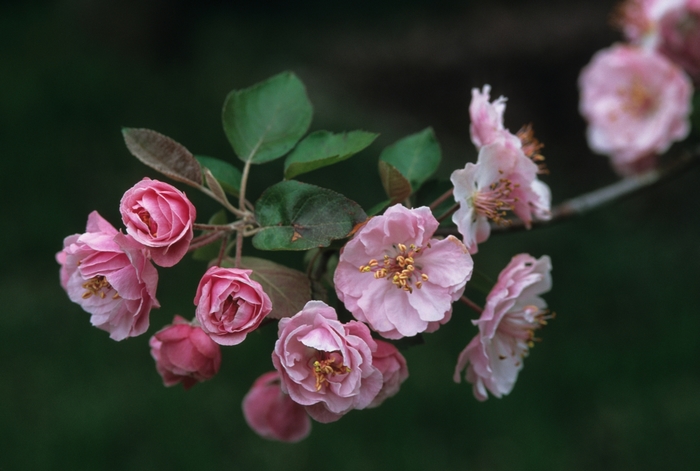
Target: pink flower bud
<point>184,354</point>
<point>230,304</point>
<point>389,361</point>
<point>160,217</point>
<point>326,365</point>
<point>272,414</point>
<point>107,274</point>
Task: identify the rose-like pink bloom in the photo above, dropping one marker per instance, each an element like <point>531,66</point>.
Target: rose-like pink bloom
<point>389,361</point>
<point>107,273</point>
<point>393,275</point>
<point>679,31</point>
<point>325,365</point>
<point>160,217</point>
<point>513,311</point>
<point>636,102</point>
<point>503,179</point>
<point>184,354</point>
<point>272,414</point>
<point>230,304</point>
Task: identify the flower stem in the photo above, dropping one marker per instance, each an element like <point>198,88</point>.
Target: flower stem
<point>441,198</point>
<point>471,304</point>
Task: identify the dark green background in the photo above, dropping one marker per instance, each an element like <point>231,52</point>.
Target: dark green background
<point>614,384</point>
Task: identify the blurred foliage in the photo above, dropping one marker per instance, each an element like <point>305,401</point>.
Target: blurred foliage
<point>614,384</point>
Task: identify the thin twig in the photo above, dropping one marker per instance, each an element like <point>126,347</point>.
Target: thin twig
<point>440,199</point>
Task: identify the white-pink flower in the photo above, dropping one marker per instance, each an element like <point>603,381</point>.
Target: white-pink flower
<point>160,217</point>
<point>389,361</point>
<point>230,305</point>
<point>272,414</point>
<point>503,180</point>
<point>184,354</point>
<point>486,117</point>
<point>393,275</point>
<point>107,274</point>
<point>325,365</point>
<point>513,311</point>
<point>636,102</point>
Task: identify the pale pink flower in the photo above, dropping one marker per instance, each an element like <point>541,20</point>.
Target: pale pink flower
<point>393,275</point>
<point>184,354</point>
<point>503,180</point>
<point>160,217</point>
<point>107,274</point>
<point>513,311</point>
<point>272,414</point>
<point>486,117</point>
<point>389,361</point>
<point>636,102</point>
<point>325,365</point>
<point>671,27</point>
<point>230,305</point>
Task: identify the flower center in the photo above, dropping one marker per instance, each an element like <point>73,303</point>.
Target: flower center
<point>328,364</point>
<point>496,201</point>
<point>400,269</point>
<point>531,147</point>
<point>98,286</point>
<point>637,100</point>
<point>145,217</point>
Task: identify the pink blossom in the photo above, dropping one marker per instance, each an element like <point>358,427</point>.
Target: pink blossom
<point>513,311</point>
<point>230,304</point>
<point>679,31</point>
<point>325,365</point>
<point>272,414</point>
<point>393,275</point>
<point>636,103</point>
<point>486,117</point>
<point>184,354</point>
<point>503,179</point>
<point>160,217</point>
<point>107,273</point>
<point>389,361</point>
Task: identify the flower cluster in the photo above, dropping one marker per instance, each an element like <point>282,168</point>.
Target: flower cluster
<point>636,97</point>
<point>397,275</point>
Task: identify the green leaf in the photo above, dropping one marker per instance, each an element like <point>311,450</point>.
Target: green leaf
<point>299,216</point>
<point>416,156</point>
<point>288,289</point>
<point>265,121</point>
<point>323,148</point>
<point>164,155</point>
<point>396,186</point>
<point>226,174</point>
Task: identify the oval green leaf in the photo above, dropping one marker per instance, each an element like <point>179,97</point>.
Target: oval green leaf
<point>265,121</point>
<point>416,156</point>
<point>288,289</point>
<point>323,148</point>
<point>164,155</point>
<point>395,184</point>
<point>299,216</point>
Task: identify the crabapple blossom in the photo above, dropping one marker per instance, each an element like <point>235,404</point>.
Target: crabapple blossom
<point>273,414</point>
<point>160,217</point>
<point>486,117</point>
<point>503,179</point>
<point>230,304</point>
<point>325,365</point>
<point>392,365</point>
<point>513,311</point>
<point>637,103</point>
<point>393,275</point>
<point>184,354</point>
<point>107,274</point>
